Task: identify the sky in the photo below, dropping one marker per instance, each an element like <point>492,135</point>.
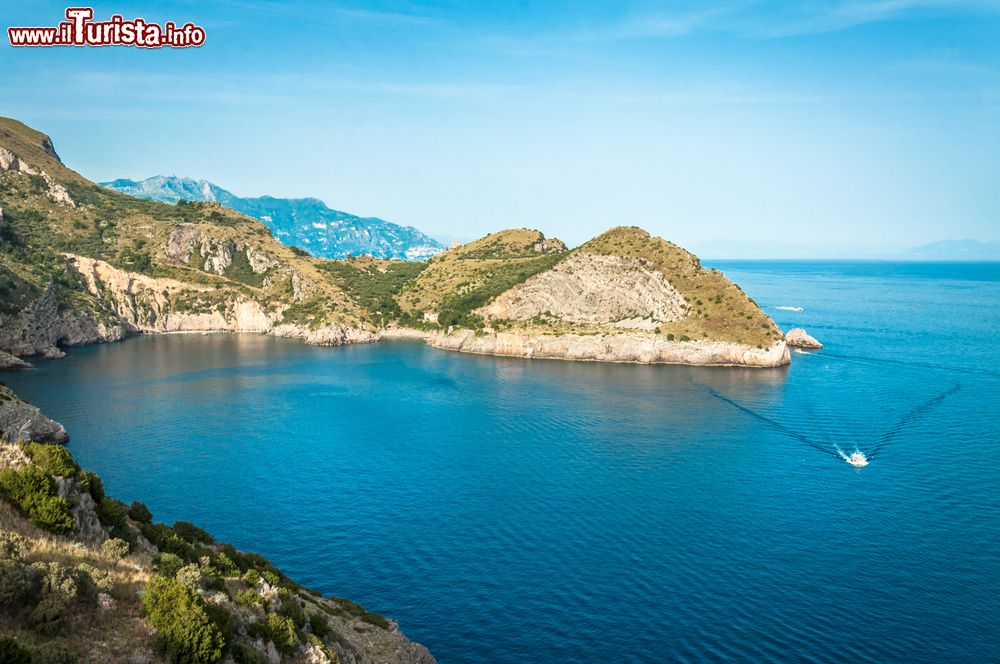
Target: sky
<point>735,127</point>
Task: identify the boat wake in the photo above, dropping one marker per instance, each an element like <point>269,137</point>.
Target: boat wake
<point>783,308</point>
<point>777,426</point>
<point>909,418</point>
<point>857,458</point>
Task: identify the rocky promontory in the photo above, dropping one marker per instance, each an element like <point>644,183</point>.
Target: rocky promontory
<point>799,338</point>
<point>635,349</point>
<point>22,421</point>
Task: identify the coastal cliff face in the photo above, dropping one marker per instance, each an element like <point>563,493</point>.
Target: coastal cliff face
<point>158,305</point>
<point>618,291</point>
<point>636,349</point>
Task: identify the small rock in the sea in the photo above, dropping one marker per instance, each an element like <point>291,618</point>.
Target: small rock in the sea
<point>799,338</point>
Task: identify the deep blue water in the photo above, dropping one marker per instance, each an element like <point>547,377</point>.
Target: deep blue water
<point>524,511</point>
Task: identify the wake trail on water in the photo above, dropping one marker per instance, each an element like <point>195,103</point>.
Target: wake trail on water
<point>777,426</point>
<point>907,363</point>
<point>910,417</point>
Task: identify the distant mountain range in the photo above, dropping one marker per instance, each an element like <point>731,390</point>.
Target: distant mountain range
<point>944,250</point>
<point>956,250</point>
<point>306,223</point>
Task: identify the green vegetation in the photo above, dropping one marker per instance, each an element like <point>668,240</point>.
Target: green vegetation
<point>457,309</point>
<point>240,270</point>
<point>139,512</point>
<point>33,492</point>
<point>115,548</point>
<point>280,630</point>
<point>359,612</point>
<point>53,459</point>
<point>192,533</point>
<point>13,653</point>
<point>185,631</point>
<point>461,280</point>
<point>373,284</point>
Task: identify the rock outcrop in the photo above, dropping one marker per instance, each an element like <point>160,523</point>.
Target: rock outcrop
<point>46,323</point>
<point>11,162</point>
<point>22,421</point>
<point>145,304</point>
<point>611,291</point>
<point>637,349</point>
<point>798,338</point>
<point>9,362</point>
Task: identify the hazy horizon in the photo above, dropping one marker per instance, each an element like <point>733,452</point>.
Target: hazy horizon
<point>829,127</point>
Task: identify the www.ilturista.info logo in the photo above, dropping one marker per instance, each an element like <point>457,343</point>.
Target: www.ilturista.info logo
<point>81,30</point>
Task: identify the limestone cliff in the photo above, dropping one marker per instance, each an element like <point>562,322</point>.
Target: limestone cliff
<point>618,291</point>
<point>636,349</point>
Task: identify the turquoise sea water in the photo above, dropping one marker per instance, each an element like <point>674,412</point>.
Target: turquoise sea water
<point>525,511</point>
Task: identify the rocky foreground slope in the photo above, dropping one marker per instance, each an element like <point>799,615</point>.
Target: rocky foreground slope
<point>85,578</point>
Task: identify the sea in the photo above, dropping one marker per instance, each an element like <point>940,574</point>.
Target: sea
<point>537,511</point>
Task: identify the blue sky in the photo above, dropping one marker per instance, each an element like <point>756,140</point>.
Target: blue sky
<point>812,128</point>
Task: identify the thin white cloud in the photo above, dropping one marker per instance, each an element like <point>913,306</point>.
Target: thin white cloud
<point>762,20</point>
<point>844,15</point>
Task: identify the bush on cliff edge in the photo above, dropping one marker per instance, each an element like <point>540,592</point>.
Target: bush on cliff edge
<point>185,632</point>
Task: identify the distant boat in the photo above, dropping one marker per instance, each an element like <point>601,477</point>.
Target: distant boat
<point>790,308</point>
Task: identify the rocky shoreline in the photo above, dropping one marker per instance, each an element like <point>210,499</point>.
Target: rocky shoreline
<point>623,348</point>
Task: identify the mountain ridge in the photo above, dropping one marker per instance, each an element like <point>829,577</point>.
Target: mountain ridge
<point>307,223</point>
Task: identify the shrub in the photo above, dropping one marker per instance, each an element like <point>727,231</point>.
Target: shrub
<point>360,612</point>
<point>319,625</point>
<point>103,581</point>
<point>279,630</point>
<point>168,564</point>
<point>50,512</point>
<point>16,581</point>
<point>11,652</point>
<point>292,608</point>
<point>112,513</point>
<point>139,512</point>
<point>166,540</point>
<point>52,653</point>
<point>244,654</point>
<point>33,492</point>
<point>185,633</point>
<point>251,577</point>
<point>250,598</point>
<point>92,484</point>
<point>115,548</point>
<point>13,546</point>
<point>53,459</point>
<point>226,566</point>
<point>192,533</point>
<point>189,575</point>
<point>59,588</point>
